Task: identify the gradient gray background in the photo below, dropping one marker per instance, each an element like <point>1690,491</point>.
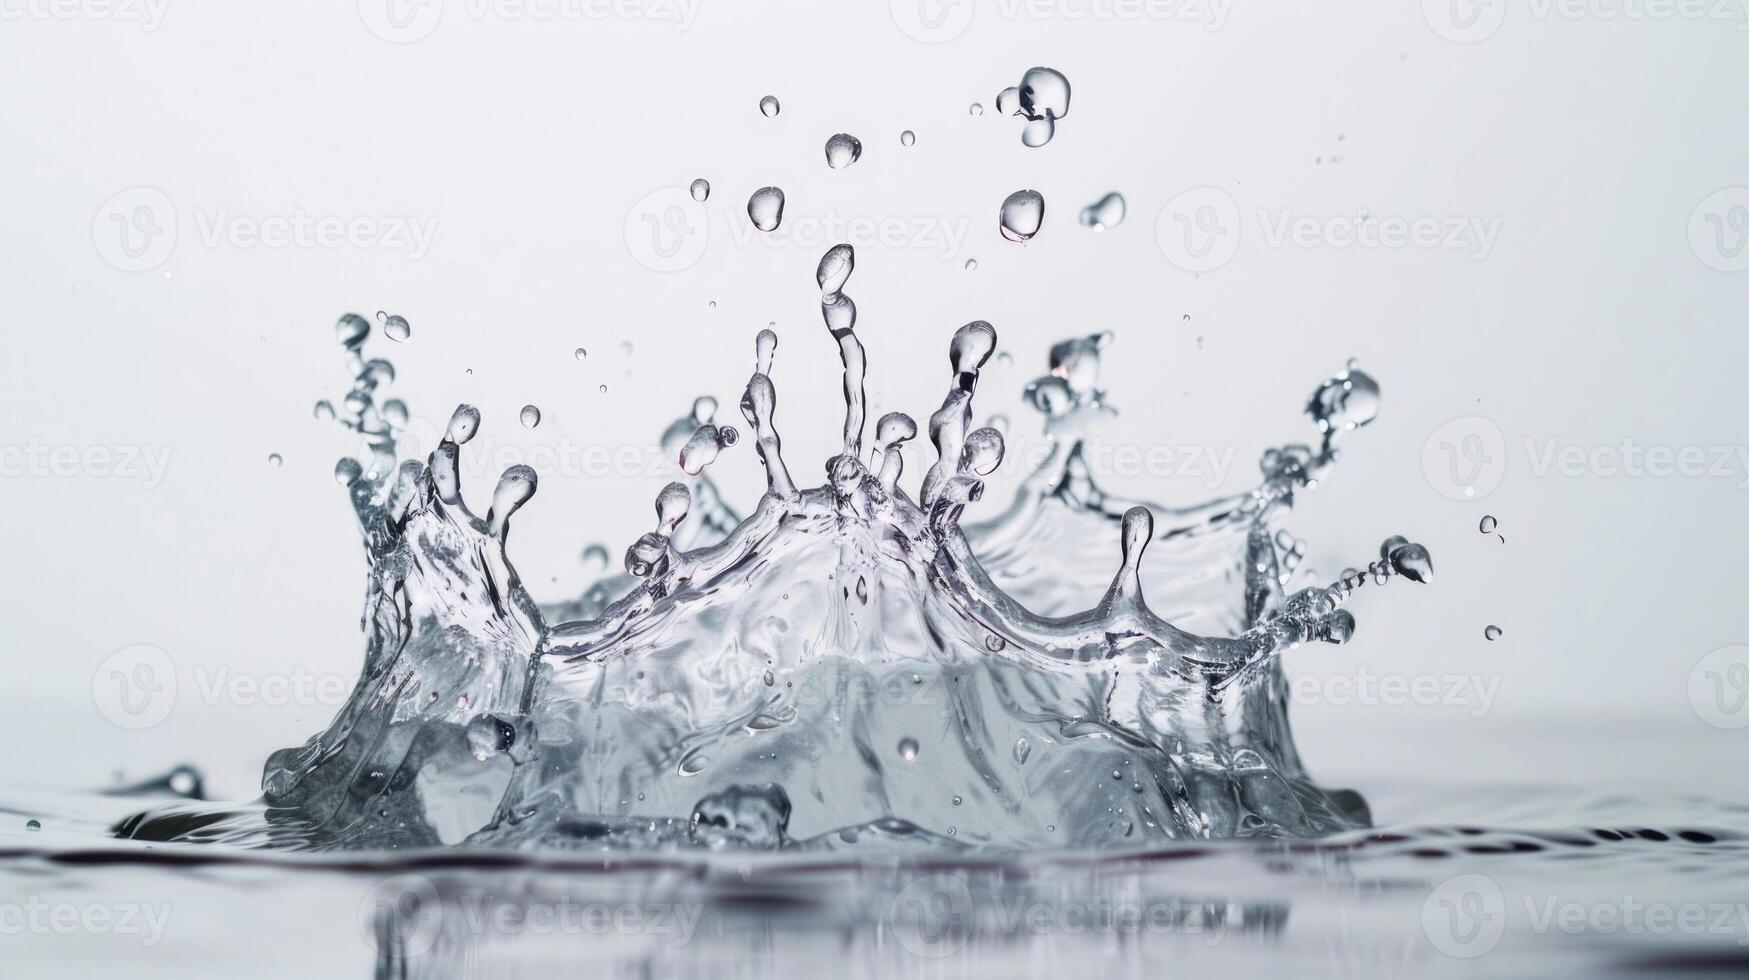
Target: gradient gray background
<point>1595,319</point>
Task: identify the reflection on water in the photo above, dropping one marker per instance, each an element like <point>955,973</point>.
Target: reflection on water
<point>1646,885</point>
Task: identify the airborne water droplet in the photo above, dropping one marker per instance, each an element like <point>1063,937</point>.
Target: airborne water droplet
<point>1493,633</point>
<point>765,207</point>
<point>397,329</point>
<point>582,354</point>
<point>1044,92</point>
<point>274,460</point>
<point>530,416</point>
<point>977,110</point>
<point>351,330</point>
<point>1023,213</point>
<point>842,150</point>
<point>1489,524</point>
<point>701,189</point>
<point>769,106</point>
<point>908,749</point>
<point>971,265</point>
<point>1107,212</point>
<point>1038,131</point>
<point>907,138</point>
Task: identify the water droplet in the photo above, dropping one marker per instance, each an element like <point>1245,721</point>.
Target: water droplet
<point>1022,749</point>
<point>1038,132</point>
<point>957,801</point>
<point>1008,101</point>
<point>765,207</point>
<point>908,749</point>
<point>769,107</point>
<point>701,189</point>
<point>351,330</point>
<point>33,825</point>
<point>1107,212</point>
<point>1493,633</point>
<point>842,150</point>
<point>582,354</point>
<point>603,389</point>
<point>397,329</point>
<point>907,138</point>
<point>324,409</point>
<point>1044,92</point>
<point>1489,524</point>
<point>274,460</point>
<point>1023,212</point>
<point>530,416</point>
<point>971,265</point>
<point>977,110</point>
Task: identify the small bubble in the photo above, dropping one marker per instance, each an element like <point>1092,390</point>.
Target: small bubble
<point>530,416</point>
<point>275,460</point>
<point>701,189</point>
<point>769,107</point>
<point>957,801</point>
<point>908,749</point>
<point>977,110</point>
<point>1493,633</point>
<point>907,138</point>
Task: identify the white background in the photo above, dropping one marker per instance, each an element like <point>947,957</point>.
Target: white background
<point>529,141</point>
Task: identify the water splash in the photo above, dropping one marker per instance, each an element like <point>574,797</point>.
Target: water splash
<point>843,662</point>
